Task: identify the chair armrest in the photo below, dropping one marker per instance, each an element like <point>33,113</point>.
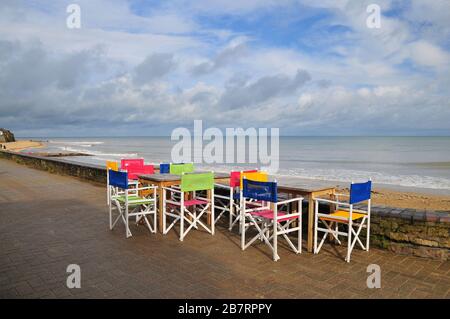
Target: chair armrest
<point>172,190</point>
<point>291,200</point>
<point>222,185</point>
<point>331,201</point>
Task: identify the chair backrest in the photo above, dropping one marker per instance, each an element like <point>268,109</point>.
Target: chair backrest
<point>112,165</point>
<point>263,191</point>
<point>134,170</point>
<point>254,176</point>
<point>126,162</point>
<point>197,182</point>
<point>164,168</point>
<point>179,169</point>
<point>360,192</point>
<point>235,177</point>
<point>118,179</point>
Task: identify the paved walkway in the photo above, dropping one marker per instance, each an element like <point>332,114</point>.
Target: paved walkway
<point>48,222</point>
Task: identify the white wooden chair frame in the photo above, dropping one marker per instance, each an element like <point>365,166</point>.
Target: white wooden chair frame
<point>272,228</point>
<point>181,214</point>
<point>354,226</point>
<point>141,208</point>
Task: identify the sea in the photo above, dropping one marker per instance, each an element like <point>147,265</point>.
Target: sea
<point>411,162</point>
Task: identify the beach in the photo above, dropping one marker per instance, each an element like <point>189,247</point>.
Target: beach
<point>21,145</point>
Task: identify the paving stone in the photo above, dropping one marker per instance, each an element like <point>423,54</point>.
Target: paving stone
<point>60,221</point>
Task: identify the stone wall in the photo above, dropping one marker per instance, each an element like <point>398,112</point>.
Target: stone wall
<point>412,232</point>
<point>403,231</point>
<point>94,173</point>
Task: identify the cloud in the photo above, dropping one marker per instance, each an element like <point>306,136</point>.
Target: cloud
<point>149,68</point>
<point>239,95</point>
<point>155,66</point>
<point>427,54</point>
<point>227,56</point>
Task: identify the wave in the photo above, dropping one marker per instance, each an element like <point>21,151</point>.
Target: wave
<point>77,143</point>
<point>96,153</point>
<point>348,176</point>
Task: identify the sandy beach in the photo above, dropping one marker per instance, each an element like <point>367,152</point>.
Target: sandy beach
<point>21,145</point>
<point>415,200</point>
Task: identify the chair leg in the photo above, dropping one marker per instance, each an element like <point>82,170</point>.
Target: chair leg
<point>300,242</point>
<point>182,222</point>
<point>164,212</point>
<point>275,240</point>
<point>242,230</point>
<point>349,242</point>
<point>110,216</point>
<point>128,232</point>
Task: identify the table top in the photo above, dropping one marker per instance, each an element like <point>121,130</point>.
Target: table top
<point>157,177</point>
<point>285,184</point>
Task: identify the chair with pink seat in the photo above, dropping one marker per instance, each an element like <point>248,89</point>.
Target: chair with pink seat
<point>271,219</point>
<point>195,206</point>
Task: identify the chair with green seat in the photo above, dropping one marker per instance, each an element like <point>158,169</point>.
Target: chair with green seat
<point>130,203</point>
<point>195,204</point>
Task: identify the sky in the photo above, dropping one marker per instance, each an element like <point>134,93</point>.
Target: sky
<point>138,68</point>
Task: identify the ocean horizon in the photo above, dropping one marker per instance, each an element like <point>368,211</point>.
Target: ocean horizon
<point>398,161</point>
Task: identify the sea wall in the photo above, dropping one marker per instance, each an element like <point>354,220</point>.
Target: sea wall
<point>93,173</point>
<point>403,231</point>
<point>412,232</point>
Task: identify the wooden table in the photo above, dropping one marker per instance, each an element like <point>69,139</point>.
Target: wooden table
<point>167,180</point>
<point>308,190</point>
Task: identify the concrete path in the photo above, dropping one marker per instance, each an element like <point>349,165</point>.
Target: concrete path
<point>48,222</point>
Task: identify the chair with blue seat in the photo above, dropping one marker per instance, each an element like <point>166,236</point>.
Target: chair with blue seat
<point>130,202</point>
<point>345,213</point>
<point>269,219</point>
<point>196,198</point>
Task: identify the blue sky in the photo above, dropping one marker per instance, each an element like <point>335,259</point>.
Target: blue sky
<point>307,67</point>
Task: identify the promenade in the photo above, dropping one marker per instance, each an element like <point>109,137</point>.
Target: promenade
<point>48,222</point>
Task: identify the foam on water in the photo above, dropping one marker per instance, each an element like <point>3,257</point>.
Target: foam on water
<point>410,162</point>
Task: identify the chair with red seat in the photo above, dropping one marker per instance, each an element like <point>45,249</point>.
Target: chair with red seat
<point>269,219</point>
<point>126,162</point>
<point>135,170</point>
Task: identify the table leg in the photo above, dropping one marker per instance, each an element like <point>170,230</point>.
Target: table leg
<point>160,207</point>
<point>310,222</point>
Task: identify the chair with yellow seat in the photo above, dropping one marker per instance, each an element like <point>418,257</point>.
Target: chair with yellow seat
<point>345,214</point>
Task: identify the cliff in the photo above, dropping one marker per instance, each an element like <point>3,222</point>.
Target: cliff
<point>6,136</point>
